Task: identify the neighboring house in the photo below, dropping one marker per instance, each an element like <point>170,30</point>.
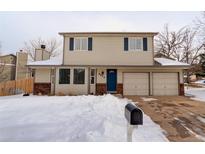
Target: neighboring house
<point>7,67</point>
<point>14,67</point>
<point>108,62</point>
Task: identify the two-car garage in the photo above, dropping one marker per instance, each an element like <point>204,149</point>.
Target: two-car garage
<point>144,84</point>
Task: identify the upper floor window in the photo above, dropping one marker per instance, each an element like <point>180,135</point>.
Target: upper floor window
<point>135,44</point>
<point>80,44</point>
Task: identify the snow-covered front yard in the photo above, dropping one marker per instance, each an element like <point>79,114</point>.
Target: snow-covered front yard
<point>70,118</point>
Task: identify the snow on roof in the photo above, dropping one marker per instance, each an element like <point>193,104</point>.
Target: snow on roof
<point>169,62</point>
<point>52,61</point>
<point>58,61</point>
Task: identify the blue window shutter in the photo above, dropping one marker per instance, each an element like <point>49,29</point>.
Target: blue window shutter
<point>145,44</point>
<point>90,43</point>
<point>71,44</point>
<point>125,44</point>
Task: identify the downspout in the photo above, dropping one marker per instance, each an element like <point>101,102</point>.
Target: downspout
<point>88,80</point>
<point>54,82</point>
<point>152,49</point>
<point>63,48</point>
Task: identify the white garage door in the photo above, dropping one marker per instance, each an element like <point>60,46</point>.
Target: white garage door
<point>136,84</point>
<point>165,84</point>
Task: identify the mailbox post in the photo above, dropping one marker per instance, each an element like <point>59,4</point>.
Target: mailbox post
<point>134,117</point>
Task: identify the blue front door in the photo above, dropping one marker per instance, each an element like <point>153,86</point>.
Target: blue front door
<point>111,80</point>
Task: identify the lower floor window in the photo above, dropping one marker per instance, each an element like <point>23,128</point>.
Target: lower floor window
<point>79,76</point>
<point>64,76</point>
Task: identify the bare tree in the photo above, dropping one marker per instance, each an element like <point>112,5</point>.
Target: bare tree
<point>200,25</point>
<point>181,45</point>
<point>202,62</point>
<point>0,47</point>
<point>168,42</point>
<point>191,49</point>
<point>52,46</point>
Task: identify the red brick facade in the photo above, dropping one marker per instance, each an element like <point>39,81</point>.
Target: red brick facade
<point>42,88</point>
<point>120,88</point>
<point>181,89</point>
<point>101,88</point>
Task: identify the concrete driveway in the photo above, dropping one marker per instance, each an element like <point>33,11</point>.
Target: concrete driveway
<point>183,119</point>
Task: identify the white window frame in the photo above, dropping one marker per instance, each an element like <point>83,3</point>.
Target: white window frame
<point>94,76</point>
<point>135,38</point>
<point>81,42</point>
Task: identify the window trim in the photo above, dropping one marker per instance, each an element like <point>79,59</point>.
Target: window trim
<point>74,76</point>
<point>80,43</point>
<point>140,38</point>
<point>94,76</point>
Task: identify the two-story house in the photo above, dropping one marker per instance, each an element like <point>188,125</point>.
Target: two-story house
<point>108,62</point>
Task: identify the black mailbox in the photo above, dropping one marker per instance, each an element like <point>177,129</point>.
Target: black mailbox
<point>133,114</point>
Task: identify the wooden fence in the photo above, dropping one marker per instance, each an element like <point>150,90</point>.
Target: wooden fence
<point>16,87</point>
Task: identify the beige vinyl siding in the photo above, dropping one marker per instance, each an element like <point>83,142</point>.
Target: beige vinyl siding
<point>42,75</point>
<point>108,50</point>
<point>165,84</point>
<point>136,84</point>
<point>101,78</point>
<point>72,89</point>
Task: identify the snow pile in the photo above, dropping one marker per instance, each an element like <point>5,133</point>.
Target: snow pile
<point>70,118</point>
<point>169,62</point>
<point>147,99</point>
<point>198,93</point>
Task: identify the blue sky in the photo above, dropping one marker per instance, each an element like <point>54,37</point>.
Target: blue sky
<point>18,27</point>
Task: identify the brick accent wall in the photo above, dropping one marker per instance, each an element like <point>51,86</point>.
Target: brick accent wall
<point>101,88</point>
<point>43,88</point>
<point>120,88</point>
<point>181,89</point>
